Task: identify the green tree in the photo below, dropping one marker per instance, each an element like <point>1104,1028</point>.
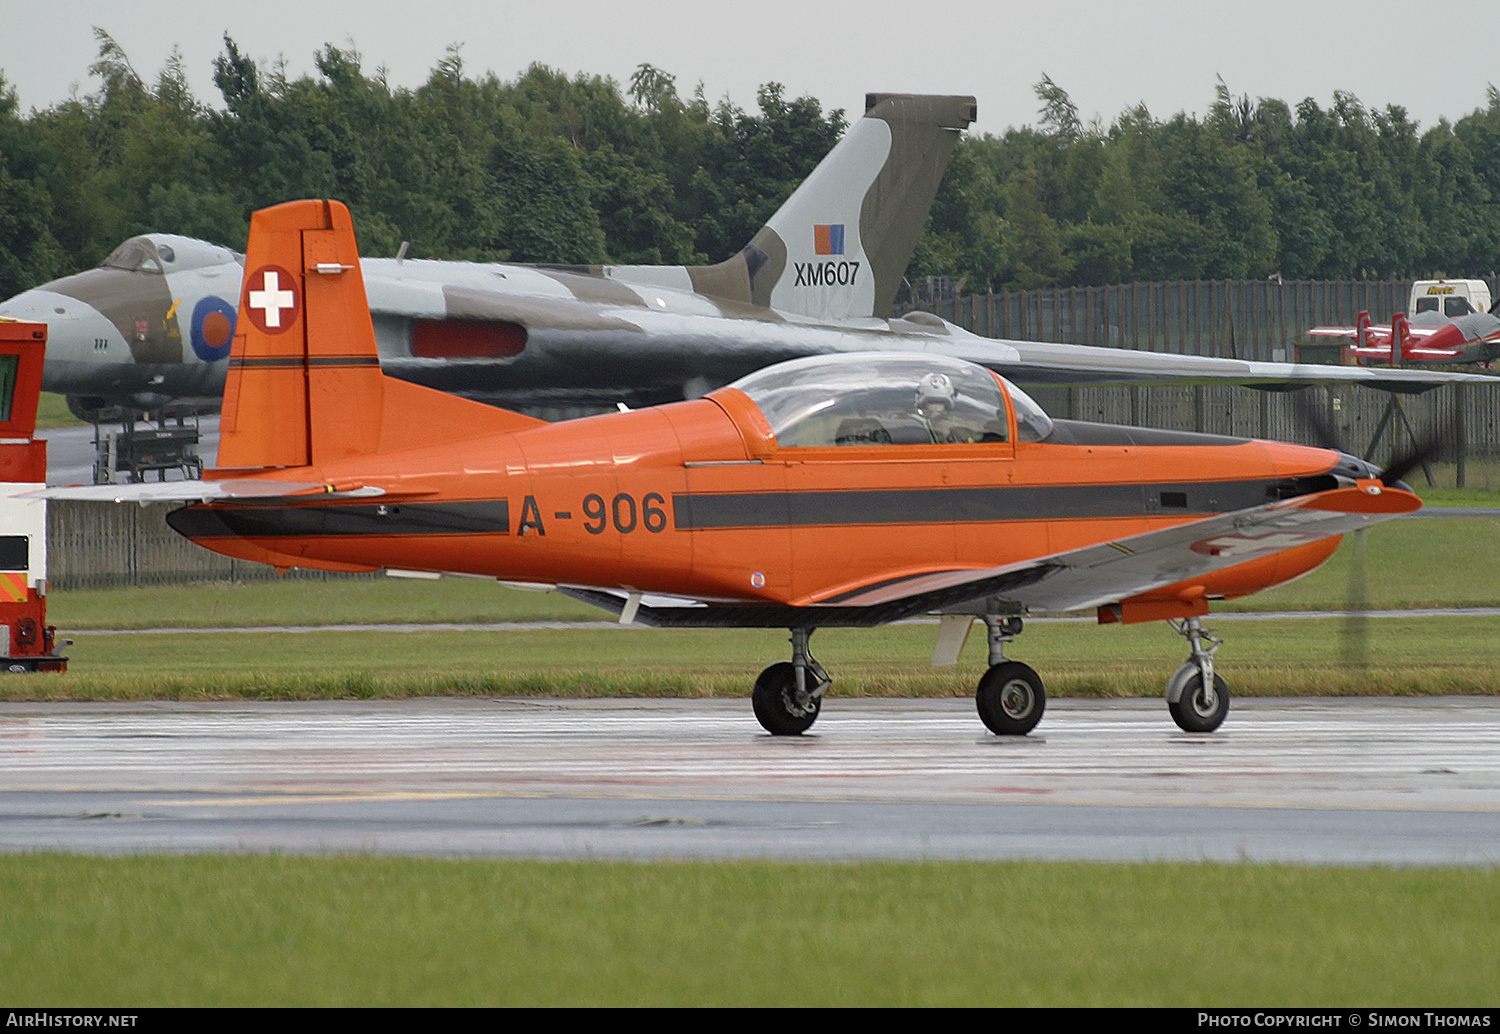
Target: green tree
<point>29,253</point>
<point>1034,253</point>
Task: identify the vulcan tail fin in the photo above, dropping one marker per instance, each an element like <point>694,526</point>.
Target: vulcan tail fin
<point>840,244</point>
<point>304,385</point>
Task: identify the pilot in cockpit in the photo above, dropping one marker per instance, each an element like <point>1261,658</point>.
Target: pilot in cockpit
<point>934,408</point>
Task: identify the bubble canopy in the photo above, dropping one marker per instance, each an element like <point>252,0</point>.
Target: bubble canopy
<point>167,253</point>
<point>889,398</point>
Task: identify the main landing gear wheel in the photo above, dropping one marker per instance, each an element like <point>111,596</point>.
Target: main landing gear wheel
<point>1194,710</point>
<point>779,708</point>
<point>1010,699</point>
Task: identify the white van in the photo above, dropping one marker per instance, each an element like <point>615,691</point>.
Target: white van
<point>1447,298</point>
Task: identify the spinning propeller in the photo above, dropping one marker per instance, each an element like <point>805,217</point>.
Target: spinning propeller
<point>1355,647</point>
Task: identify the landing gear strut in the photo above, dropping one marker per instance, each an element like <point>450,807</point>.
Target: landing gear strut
<point>788,696</point>
<point>1197,698</point>
<point>1010,697</point>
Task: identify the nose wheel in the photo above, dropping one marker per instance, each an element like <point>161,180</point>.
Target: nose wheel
<point>1197,710</point>
<point>1197,698</point>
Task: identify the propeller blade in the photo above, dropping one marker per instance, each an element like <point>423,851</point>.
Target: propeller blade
<point>1404,464</point>
<point>1316,419</point>
<point>1356,620</point>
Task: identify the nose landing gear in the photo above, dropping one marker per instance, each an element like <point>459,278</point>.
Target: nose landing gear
<point>1197,698</point>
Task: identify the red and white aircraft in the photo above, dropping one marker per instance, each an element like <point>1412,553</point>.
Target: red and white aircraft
<point>1471,338</point>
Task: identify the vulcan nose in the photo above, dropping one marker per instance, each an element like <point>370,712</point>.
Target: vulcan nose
<point>76,331</point>
<point>40,305</point>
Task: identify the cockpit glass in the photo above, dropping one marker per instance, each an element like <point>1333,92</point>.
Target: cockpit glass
<point>165,253</point>
<point>137,255</point>
<point>872,398</point>
<point>1032,422</point>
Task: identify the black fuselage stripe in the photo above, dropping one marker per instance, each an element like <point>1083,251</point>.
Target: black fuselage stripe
<point>698,511</point>
<point>278,362</point>
<point>711,511</point>
<point>479,517</point>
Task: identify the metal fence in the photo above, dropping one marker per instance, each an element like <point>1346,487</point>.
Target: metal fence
<point>1261,320</point>
<point>100,545</point>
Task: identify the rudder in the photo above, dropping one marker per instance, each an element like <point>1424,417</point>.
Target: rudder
<point>304,385</point>
<point>304,382</point>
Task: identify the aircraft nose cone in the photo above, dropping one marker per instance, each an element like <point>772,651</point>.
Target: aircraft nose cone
<point>39,305</point>
<point>1356,468</point>
<point>76,331</point>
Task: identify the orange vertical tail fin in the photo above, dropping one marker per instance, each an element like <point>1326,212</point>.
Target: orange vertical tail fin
<point>304,385</point>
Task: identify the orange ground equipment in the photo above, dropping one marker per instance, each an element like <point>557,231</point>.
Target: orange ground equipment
<point>27,642</point>
<point>838,490</point>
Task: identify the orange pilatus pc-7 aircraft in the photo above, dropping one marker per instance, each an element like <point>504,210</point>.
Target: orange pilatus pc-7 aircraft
<point>840,490</point>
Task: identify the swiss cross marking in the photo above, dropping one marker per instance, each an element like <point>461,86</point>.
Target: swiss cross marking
<point>271,298</point>
<point>1237,545</point>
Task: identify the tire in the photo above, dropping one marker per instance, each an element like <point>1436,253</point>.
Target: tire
<point>1010,699</point>
<point>774,700</point>
<point>91,409</point>
<point>1190,711</point>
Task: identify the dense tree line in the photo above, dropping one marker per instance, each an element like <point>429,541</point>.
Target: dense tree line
<point>545,168</point>
<point>1252,190</point>
<point>579,169</point>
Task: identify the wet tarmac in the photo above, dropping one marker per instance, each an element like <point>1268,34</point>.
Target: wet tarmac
<point>1357,782</point>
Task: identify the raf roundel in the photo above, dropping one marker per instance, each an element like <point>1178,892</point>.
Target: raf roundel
<point>212,330</point>
<point>272,300</point>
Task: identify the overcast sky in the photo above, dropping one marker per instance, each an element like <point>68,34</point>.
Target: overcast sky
<point>1434,59</point>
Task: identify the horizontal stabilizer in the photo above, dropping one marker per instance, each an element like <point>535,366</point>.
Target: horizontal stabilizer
<point>205,491</point>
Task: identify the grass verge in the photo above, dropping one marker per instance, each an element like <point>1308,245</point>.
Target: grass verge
<point>52,411</point>
<point>1285,657</point>
<point>1448,562</point>
<point>343,931</point>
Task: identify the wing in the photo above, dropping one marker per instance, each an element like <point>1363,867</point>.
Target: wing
<point>1032,362</point>
<point>1093,576</point>
<point>597,338</point>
